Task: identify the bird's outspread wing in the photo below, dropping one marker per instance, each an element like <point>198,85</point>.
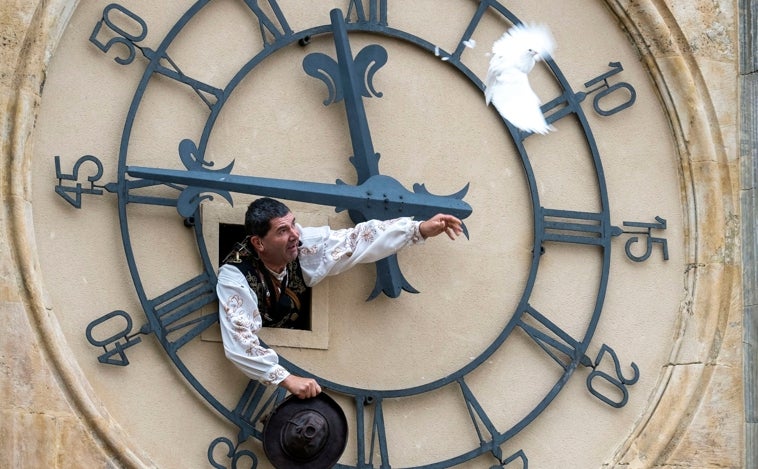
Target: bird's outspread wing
<point>507,86</point>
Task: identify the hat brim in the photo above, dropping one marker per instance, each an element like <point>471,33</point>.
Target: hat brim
<point>334,446</point>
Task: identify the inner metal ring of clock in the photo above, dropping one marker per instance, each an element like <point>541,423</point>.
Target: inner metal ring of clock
<point>168,314</point>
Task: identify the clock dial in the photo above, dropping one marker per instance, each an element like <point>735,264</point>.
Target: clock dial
<point>511,329</point>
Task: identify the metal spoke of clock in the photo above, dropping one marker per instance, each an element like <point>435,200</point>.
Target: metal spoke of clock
<point>568,352</point>
<point>71,187</point>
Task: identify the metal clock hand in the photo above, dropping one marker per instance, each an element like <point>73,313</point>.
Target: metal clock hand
<point>344,79</point>
<point>350,79</point>
<point>379,197</point>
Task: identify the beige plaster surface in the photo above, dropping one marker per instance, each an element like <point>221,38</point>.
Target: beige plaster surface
<point>52,417</point>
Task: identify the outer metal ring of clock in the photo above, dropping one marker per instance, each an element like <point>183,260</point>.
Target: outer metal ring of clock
<point>571,102</point>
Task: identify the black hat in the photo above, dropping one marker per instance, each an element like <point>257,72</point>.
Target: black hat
<point>305,433</point>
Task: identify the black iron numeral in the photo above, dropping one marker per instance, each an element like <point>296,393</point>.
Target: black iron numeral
<point>208,93</point>
<point>558,344</point>
<point>517,455</point>
<point>646,231</point>
<point>604,89</point>
<point>480,419</point>
<point>272,27</point>
<point>564,349</point>
<point>567,104</point>
<point>573,227</point>
<point>363,404</point>
<point>190,196</point>
<point>377,12</point>
<point>120,341</point>
<point>619,381</point>
<point>483,7</point>
<point>232,453</point>
<point>114,16</point>
<point>173,308</point>
<point>254,405</point>
<point>77,190</point>
<point>121,21</point>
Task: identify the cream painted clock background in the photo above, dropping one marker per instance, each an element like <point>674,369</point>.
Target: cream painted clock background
<point>672,154</point>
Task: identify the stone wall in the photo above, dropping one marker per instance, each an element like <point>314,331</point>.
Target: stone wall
<point>749,156</point>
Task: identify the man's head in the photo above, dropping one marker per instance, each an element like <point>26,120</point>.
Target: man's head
<point>273,234</point>
<point>260,213</point>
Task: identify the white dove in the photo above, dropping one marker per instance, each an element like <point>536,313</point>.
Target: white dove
<point>507,87</point>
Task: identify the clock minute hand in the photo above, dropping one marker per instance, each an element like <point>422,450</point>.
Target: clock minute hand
<point>365,159</point>
<point>379,197</point>
<point>350,80</point>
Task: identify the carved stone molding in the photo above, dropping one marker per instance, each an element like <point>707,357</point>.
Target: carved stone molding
<point>701,356</point>
<point>87,435</point>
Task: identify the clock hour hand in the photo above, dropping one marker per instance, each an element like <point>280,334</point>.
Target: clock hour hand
<point>379,197</point>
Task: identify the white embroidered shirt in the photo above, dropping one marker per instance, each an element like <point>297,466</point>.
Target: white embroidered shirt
<point>323,252</point>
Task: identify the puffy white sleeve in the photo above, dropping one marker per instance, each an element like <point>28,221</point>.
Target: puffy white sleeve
<point>240,322</point>
<point>326,252</point>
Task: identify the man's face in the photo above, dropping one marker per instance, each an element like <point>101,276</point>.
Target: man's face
<point>279,246</point>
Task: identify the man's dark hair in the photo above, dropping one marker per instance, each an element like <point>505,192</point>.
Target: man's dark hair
<point>260,213</point>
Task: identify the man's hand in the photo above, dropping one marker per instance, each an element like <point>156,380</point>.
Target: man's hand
<point>439,224</point>
<point>301,387</point>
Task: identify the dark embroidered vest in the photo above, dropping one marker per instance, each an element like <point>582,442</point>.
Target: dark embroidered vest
<point>290,309</point>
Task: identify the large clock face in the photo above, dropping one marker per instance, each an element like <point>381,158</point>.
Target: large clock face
<point>556,314</point>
